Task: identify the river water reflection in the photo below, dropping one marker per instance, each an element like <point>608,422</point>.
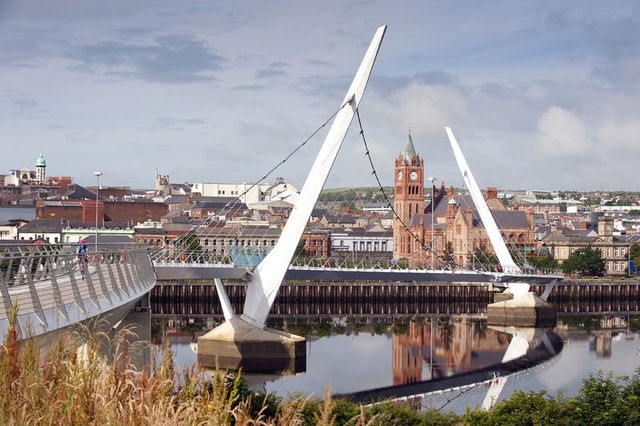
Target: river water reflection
<point>360,353</point>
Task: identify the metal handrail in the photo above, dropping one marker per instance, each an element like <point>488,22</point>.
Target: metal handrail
<point>45,282</point>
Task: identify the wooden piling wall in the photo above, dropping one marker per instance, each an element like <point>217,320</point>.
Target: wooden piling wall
<point>345,298</point>
<point>331,297</point>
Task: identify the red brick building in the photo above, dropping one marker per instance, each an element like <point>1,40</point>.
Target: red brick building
<point>317,243</point>
<point>133,212</point>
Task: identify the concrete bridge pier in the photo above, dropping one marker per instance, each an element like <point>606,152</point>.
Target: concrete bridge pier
<point>238,344</point>
<point>519,307</point>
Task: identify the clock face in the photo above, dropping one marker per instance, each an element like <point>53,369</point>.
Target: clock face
<point>400,175</point>
<point>413,175</point>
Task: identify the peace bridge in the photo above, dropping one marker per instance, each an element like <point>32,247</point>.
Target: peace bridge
<point>44,283</point>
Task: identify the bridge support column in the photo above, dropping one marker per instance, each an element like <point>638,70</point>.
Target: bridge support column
<point>518,307</point>
<point>238,344</point>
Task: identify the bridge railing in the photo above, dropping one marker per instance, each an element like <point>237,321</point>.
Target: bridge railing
<point>178,257</point>
<point>44,281</point>
<point>354,261</point>
<point>23,263</point>
<point>360,260</point>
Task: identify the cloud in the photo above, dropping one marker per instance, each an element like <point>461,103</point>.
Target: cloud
<point>561,133</point>
<point>526,87</point>
<point>425,108</point>
<point>169,58</point>
<point>180,124</point>
<point>621,137</point>
<point>276,69</point>
<point>24,108</point>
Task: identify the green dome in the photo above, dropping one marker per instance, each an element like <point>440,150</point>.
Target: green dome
<point>40,161</point>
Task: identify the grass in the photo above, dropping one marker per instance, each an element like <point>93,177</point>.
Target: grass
<point>69,386</point>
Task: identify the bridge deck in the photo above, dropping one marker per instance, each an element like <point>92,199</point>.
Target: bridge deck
<point>45,285</point>
<point>195,271</point>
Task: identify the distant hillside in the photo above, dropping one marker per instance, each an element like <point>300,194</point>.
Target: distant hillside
<point>358,195</point>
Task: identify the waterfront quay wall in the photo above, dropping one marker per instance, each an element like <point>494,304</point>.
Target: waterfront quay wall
<point>352,298</point>
<point>595,295</point>
<point>327,298</point>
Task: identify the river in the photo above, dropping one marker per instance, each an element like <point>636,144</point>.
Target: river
<point>10,212</point>
<point>362,353</point>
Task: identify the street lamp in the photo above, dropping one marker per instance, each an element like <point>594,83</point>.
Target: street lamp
<point>432,179</point>
<point>97,175</point>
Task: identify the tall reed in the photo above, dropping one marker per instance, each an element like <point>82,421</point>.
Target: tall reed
<point>73,386</point>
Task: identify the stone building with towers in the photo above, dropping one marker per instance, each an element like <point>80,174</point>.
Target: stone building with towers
<point>27,176</point>
<point>33,182</point>
<point>449,221</point>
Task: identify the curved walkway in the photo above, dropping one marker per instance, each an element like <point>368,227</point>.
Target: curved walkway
<point>44,284</point>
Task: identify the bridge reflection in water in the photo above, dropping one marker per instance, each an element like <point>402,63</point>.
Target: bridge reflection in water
<point>435,350</point>
<point>427,354</point>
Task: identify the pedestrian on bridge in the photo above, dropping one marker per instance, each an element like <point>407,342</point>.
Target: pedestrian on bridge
<point>81,253</point>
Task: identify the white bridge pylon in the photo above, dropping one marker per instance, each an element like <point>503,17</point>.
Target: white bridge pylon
<point>499,246</point>
<point>506,261</point>
<point>268,275</point>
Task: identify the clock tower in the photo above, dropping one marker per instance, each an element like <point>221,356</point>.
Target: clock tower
<point>408,196</point>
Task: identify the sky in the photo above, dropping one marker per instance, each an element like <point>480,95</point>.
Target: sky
<point>541,95</point>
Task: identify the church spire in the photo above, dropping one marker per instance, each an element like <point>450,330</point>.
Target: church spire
<point>409,150</point>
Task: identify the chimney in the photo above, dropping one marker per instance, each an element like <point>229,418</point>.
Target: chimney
<point>451,210</point>
<point>450,192</point>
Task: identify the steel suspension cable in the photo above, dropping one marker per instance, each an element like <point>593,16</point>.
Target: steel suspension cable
<point>384,194</point>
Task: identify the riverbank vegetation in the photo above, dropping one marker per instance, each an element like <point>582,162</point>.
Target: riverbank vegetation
<point>71,387</point>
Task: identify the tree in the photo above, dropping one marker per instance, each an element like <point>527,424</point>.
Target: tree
<point>543,263</point>
<point>447,255</point>
<point>585,261</point>
<point>634,253</point>
<point>300,252</point>
<point>483,258</point>
<point>190,244</point>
